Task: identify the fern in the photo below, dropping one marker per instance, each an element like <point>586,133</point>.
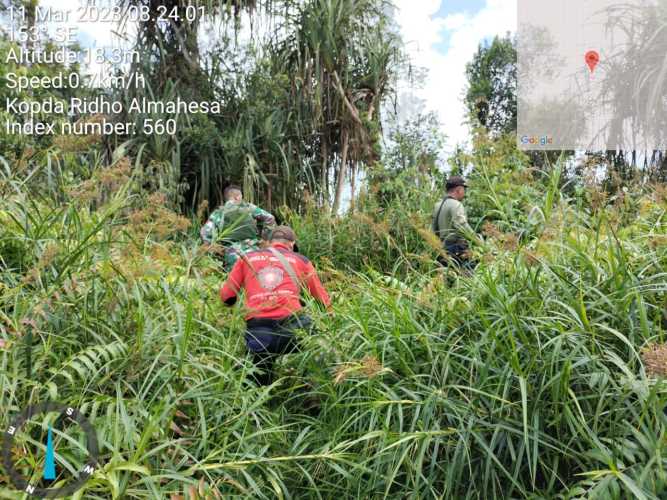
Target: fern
<point>92,363</point>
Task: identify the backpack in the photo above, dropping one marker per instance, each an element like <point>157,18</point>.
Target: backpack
<point>238,224</point>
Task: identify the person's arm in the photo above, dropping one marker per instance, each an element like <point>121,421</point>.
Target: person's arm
<point>460,223</point>
<point>315,286</point>
<point>266,219</point>
<point>231,288</point>
<point>209,230</point>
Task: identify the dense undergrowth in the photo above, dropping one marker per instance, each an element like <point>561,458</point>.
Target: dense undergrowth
<point>525,380</point>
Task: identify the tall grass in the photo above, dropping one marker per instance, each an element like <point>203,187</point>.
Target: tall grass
<point>522,381</point>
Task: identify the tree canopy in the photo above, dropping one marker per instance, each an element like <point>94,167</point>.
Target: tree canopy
<point>491,90</point>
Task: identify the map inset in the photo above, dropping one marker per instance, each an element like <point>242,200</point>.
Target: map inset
<point>592,75</point>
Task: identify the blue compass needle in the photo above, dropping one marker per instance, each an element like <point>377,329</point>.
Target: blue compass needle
<point>50,464</point>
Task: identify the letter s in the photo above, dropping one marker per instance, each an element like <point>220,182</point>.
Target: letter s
<point>11,80</point>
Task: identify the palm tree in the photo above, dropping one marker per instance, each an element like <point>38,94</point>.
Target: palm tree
<point>636,85</point>
<point>298,114</point>
<point>340,59</point>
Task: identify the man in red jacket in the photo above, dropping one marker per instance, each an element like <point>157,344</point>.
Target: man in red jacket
<point>273,279</point>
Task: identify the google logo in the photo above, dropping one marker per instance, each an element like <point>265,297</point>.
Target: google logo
<point>544,140</point>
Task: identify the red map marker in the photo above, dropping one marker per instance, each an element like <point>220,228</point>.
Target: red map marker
<point>592,59</point>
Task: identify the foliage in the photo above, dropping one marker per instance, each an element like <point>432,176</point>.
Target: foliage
<point>301,104</point>
<point>340,59</point>
<point>539,376</point>
<point>491,97</point>
<point>637,65</point>
<point>416,142</point>
<point>524,380</point>
<point>410,159</point>
<point>14,145</point>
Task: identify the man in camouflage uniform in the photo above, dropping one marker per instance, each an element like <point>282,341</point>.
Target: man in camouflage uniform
<point>451,225</point>
<point>235,226</point>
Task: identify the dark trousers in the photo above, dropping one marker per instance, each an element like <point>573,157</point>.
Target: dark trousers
<point>266,339</point>
<point>265,365</point>
<point>457,255</point>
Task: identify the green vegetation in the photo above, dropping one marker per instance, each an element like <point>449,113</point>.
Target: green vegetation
<point>492,94</point>
<point>539,376</point>
<point>525,380</point>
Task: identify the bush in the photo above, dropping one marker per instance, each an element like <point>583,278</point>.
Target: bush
<point>523,381</point>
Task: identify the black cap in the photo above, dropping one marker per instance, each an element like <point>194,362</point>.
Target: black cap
<point>456,181</point>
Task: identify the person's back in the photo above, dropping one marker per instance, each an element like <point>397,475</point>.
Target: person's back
<point>236,222</point>
<point>273,279</point>
<point>449,221</point>
<point>270,290</point>
<point>235,226</point>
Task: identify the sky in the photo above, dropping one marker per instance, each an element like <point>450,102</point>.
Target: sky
<point>442,36</point>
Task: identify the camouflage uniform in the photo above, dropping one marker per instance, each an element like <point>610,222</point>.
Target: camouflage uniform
<point>234,225</point>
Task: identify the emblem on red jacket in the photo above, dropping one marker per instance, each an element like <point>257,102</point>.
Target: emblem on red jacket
<point>270,277</point>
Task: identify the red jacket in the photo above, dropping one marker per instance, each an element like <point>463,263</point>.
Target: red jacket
<point>269,290</point>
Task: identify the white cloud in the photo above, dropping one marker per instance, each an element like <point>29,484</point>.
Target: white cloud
<point>97,30</point>
<point>444,85</point>
<point>91,32</point>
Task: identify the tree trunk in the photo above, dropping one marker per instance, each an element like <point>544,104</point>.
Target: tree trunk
<point>340,182</point>
<point>269,191</point>
<point>324,179</point>
<point>353,178</point>
<point>354,113</point>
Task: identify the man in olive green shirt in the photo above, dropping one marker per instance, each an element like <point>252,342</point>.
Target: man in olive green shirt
<point>451,225</point>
